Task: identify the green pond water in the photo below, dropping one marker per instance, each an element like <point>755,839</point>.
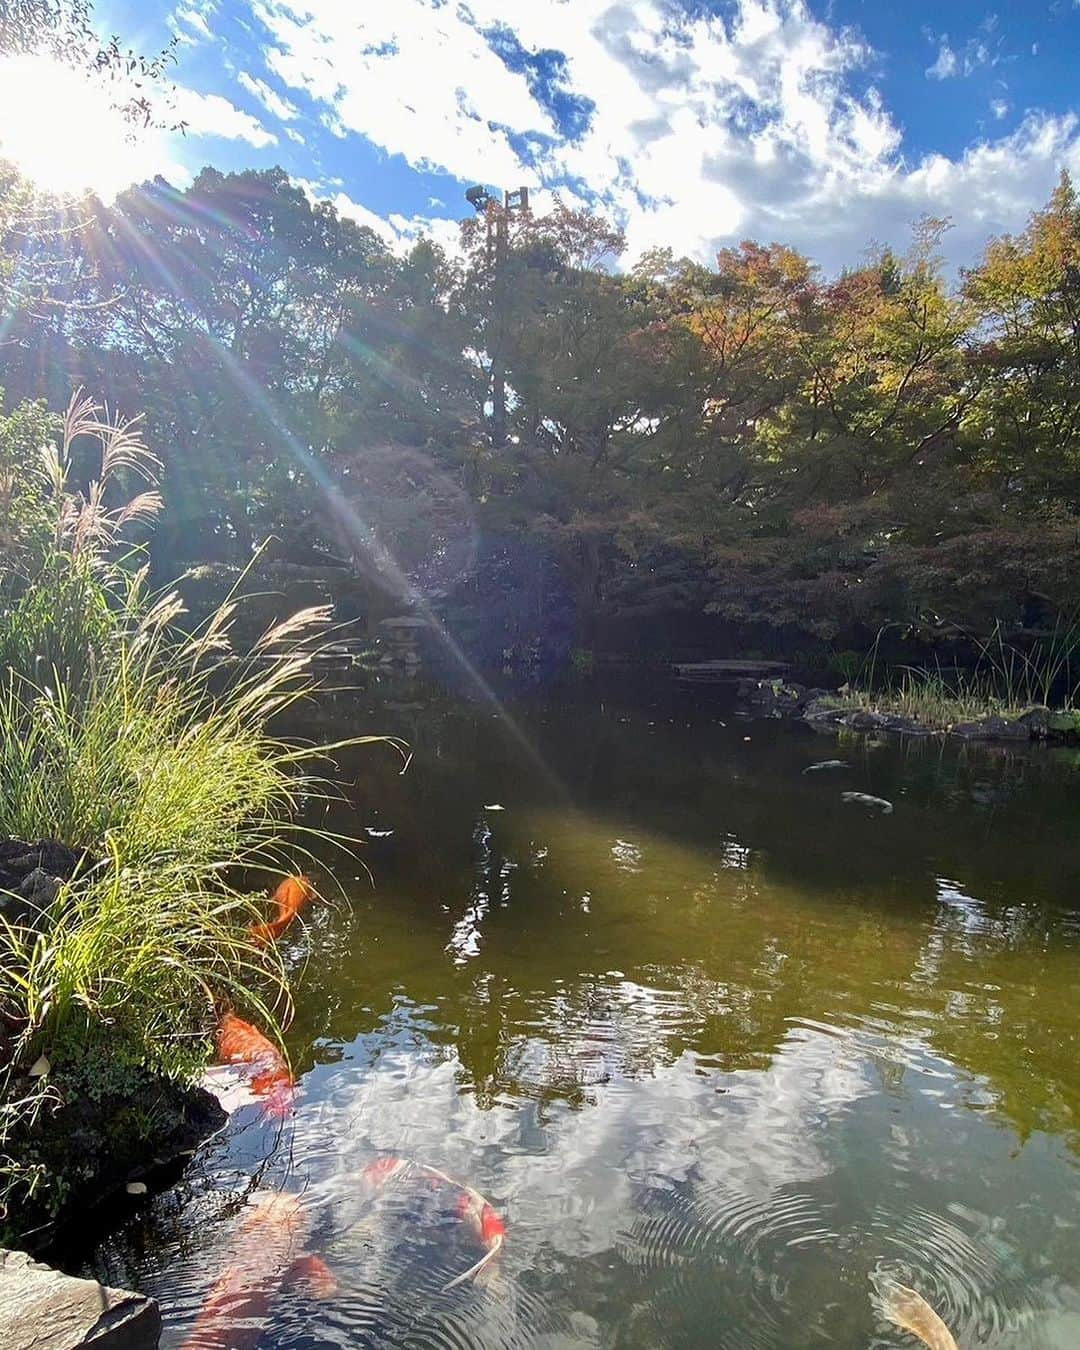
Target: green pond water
<point>719,1046</point>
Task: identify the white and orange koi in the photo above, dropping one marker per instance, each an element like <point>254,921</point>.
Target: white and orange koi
<point>908,1310</point>
<point>472,1207</point>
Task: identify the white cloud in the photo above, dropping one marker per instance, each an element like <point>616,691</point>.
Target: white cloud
<point>188,22</point>
<point>398,232</point>
<point>213,115</point>
<point>271,100</point>
<point>695,130</point>
<point>945,65</point>
<point>1000,108</point>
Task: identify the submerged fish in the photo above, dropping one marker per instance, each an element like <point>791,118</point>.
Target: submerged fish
<point>865,799</point>
<point>235,1312</point>
<point>490,1229</point>
<point>910,1311</point>
<point>827,764</point>
<point>241,1043</point>
<point>289,899</point>
<point>473,1208</point>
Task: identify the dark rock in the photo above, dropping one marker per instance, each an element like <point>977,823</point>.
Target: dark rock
<point>992,729</point>
<point>41,1309</point>
<point>1063,724</point>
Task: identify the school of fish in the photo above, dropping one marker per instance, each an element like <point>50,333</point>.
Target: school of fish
<point>263,1260</point>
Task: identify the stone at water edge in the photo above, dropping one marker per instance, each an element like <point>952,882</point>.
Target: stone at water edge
<point>41,1309</point>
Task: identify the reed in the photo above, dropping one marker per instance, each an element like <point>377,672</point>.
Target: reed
<point>153,751</point>
<point>1005,680</point>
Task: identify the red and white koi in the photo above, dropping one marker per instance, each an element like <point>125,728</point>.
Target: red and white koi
<point>473,1208</point>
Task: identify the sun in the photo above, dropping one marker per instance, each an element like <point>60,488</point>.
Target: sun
<point>62,129</point>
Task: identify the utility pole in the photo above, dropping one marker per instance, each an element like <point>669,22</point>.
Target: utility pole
<point>496,216</point>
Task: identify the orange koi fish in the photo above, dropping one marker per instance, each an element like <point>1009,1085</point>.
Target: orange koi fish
<point>236,1310</point>
<point>289,899</point>
<point>241,1043</point>
<point>910,1311</point>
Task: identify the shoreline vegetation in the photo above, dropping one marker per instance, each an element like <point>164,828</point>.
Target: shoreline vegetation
<point>144,795</point>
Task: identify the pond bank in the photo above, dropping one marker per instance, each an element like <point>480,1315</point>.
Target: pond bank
<point>825,710</point>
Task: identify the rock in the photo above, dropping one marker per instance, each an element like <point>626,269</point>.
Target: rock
<point>1036,720</point>
<point>39,1068</point>
<point>39,888</point>
<point>1063,723</point>
<point>41,1309</point>
<point>992,729</point>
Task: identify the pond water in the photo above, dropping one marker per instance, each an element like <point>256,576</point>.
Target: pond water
<point>719,1046</point>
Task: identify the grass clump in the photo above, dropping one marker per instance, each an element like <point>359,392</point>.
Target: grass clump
<point>1005,681</point>
<point>149,751</point>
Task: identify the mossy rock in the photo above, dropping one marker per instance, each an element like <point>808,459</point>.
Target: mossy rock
<point>1064,723</point>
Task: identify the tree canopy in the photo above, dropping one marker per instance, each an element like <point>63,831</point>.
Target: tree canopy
<point>750,439</point>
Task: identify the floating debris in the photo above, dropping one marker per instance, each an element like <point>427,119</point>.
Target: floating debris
<point>377,834</point>
<point>865,799</point>
<point>494,807</point>
<point>910,1311</point>
<point>827,764</point>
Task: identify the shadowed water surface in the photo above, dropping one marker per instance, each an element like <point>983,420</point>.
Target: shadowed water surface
<point>716,1043</point>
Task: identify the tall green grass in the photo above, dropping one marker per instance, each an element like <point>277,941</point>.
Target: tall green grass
<point>153,751</point>
<point>1004,680</point>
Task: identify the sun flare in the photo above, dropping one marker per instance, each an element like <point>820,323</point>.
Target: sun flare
<point>62,129</point>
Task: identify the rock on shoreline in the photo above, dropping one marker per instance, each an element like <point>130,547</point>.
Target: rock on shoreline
<point>42,1309</point>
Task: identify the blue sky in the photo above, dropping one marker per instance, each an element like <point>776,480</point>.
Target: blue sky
<point>693,123</point>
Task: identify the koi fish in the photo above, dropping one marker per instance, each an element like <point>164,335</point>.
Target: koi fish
<point>289,899</point>
<point>241,1043</point>
<point>472,1207</point>
<point>865,799</point>
<point>910,1311</point>
<point>491,1230</point>
<point>827,764</point>
<point>235,1312</point>
<point>382,1170</point>
<point>314,1274</point>
<point>478,1211</point>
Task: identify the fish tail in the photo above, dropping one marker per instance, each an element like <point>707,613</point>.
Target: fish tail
<point>475,1269</point>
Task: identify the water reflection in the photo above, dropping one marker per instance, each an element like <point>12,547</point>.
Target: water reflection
<point>718,1048</point>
